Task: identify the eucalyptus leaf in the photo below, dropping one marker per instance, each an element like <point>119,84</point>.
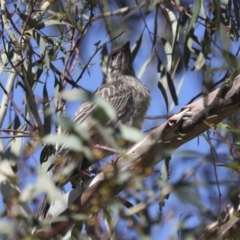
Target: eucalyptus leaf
<point>130,134</point>
<point>151,4</point>
<point>53,22</point>
<point>42,46</point>
<point>162,79</point>
<point>46,111</point>
<point>137,46</point>
<point>44,184</point>
<point>194,16</point>
<point>74,95</point>
<point>69,125</point>
<point>174,25</point>
<point>69,141</point>
<point>155,27</point>
<point>200,61</point>
<point>61,203</point>
<point>168,51</point>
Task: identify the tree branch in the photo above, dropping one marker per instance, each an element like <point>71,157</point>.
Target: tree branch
<point>142,157</point>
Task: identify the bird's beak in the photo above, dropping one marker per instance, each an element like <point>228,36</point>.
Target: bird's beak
<point>126,46</point>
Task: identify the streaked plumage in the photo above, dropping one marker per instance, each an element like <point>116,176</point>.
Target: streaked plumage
<point>127,95</point>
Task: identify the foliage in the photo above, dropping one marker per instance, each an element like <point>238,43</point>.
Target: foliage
<point>180,49</point>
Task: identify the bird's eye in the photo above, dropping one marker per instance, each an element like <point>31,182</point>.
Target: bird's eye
<point>113,56</point>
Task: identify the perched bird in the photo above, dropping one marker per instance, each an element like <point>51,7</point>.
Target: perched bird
<point>126,94</point>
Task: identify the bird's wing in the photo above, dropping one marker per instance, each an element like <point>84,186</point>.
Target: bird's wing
<point>118,94</point>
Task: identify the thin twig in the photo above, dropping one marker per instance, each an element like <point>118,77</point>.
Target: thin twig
<point>84,30</point>
<point>14,131</point>
<point>95,52</point>
<point>15,136</point>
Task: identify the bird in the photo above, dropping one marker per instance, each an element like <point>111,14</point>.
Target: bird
<point>128,96</point>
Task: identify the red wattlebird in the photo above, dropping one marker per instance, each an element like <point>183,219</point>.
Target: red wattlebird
<point>126,94</point>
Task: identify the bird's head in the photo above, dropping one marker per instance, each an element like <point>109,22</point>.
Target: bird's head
<point>120,62</point>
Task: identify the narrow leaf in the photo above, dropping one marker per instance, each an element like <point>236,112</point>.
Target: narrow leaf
<point>194,16</point>
<point>174,25</point>
<point>168,51</point>
<point>46,111</point>
<point>136,46</point>
<point>161,75</point>
<point>74,95</point>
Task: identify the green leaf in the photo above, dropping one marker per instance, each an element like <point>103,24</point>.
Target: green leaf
<point>217,8</point>
<point>179,87</point>
<point>69,141</point>
<point>231,59</point>
<point>70,126</point>
<point>233,166</point>
<point>53,22</point>
<point>130,134</point>
<point>75,139</point>
<point>164,77</point>
<point>6,56</point>
<point>194,16</point>
<point>224,126</point>
<point>42,46</point>
<point>161,75</point>
<point>225,40</point>
<point>199,63</point>
<point>15,148</point>
<point>151,4</point>
<point>155,27</point>
<point>174,25</point>
<point>164,178</point>
<point>29,67</point>
<point>136,46</point>
<point>77,230</point>
<point>44,184</point>
<point>38,74</point>
<point>74,95</point>
<point>46,111</point>
<point>186,50</point>
<point>168,51</point>
<point>81,236</point>
<point>172,88</point>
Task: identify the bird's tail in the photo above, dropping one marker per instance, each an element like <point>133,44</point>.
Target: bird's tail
<point>62,172</point>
